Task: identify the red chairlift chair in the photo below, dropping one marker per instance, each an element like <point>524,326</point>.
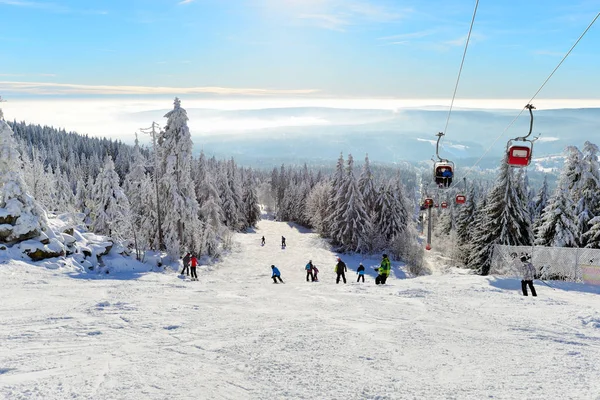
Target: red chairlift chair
<point>519,155</point>
<point>461,199</point>
<point>444,204</point>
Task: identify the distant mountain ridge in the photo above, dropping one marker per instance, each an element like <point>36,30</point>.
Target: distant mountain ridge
<point>407,134</point>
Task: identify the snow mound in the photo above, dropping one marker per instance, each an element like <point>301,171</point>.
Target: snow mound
<point>67,246</point>
<point>592,322</point>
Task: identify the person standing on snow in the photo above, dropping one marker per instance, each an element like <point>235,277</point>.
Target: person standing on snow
<point>340,269</point>
<point>262,242</point>
<point>528,276</point>
<point>194,264</point>
<point>282,242</point>
<point>315,273</point>
<point>361,273</point>
<point>309,271</point>
<point>276,274</point>
<point>384,270</point>
<point>186,264</point>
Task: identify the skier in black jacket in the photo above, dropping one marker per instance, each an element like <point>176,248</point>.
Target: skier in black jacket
<point>186,264</point>
<point>361,273</point>
<point>340,269</point>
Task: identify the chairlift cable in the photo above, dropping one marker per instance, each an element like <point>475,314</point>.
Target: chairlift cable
<point>461,65</point>
<point>443,169</point>
<point>564,58</point>
<point>536,93</point>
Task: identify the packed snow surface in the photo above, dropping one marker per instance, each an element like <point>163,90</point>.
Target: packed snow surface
<point>236,335</point>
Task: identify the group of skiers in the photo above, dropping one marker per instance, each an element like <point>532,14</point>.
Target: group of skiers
<point>190,262</point>
<point>340,268</point>
<point>522,263</point>
<point>312,272</point>
<point>263,242</point>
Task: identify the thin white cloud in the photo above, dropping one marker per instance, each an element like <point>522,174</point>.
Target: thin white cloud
<point>432,142</point>
<point>445,145</point>
<point>21,75</point>
<point>34,4</point>
<point>457,146</point>
<point>186,2</point>
<point>334,14</point>
<point>376,13</point>
<point>457,42</point>
<point>326,21</point>
<point>403,42</point>
<point>48,6</point>
<point>548,53</point>
<point>46,88</point>
<point>408,35</point>
<point>548,139</point>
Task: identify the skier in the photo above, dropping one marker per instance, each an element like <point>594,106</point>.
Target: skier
<point>315,273</point>
<point>276,274</point>
<point>447,176</point>
<point>340,269</point>
<point>194,264</point>
<point>360,271</point>
<point>309,271</point>
<point>282,242</point>
<point>528,276</point>
<point>186,264</point>
<point>262,242</point>
<point>384,270</point>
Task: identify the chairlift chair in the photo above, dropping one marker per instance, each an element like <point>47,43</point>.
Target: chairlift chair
<point>443,170</point>
<point>444,204</point>
<point>519,155</point>
<point>461,199</point>
<point>428,202</point>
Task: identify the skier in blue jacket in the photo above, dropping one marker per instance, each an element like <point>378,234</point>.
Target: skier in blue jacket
<point>309,271</point>
<point>276,274</point>
<point>360,271</point>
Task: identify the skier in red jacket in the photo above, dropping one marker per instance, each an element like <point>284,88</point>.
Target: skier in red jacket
<point>193,265</point>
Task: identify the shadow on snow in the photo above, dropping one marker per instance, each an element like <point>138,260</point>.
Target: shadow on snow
<point>515,284</point>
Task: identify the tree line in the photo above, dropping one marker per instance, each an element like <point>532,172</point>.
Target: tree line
<point>512,212</point>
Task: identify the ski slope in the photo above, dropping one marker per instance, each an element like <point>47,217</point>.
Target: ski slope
<point>236,335</point>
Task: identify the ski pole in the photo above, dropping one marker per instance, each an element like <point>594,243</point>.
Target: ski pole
<point>544,282</point>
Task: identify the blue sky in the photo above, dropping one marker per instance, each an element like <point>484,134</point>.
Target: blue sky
<point>343,48</point>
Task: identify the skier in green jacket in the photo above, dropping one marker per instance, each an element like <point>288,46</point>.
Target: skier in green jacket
<point>384,270</point>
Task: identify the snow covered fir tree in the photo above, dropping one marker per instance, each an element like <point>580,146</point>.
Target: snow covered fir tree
<point>21,217</point>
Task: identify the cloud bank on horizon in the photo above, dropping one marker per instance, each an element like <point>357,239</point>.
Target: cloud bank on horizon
<point>120,117</point>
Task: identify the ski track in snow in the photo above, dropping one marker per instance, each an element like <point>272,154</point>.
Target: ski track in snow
<point>236,335</point>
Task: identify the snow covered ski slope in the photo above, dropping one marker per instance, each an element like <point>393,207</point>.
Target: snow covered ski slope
<point>236,335</point>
